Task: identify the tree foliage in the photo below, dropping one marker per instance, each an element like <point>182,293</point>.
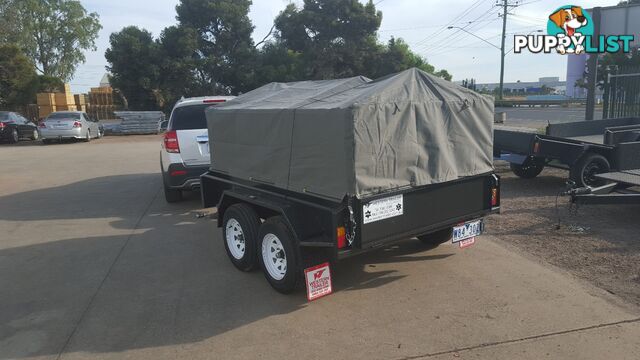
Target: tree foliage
<point>18,78</point>
<point>225,51</point>
<point>54,33</point>
<point>211,52</point>
<point>133,57</point>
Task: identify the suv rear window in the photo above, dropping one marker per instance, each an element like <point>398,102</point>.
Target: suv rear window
<point>189,117</point>
<point>66,116</point>
<point>5,115</point>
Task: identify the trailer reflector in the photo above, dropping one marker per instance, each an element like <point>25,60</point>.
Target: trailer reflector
<point>494,197</point>
<point>341,235</point>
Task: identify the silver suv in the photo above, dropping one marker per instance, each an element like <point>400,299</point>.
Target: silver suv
<point>185,148</point>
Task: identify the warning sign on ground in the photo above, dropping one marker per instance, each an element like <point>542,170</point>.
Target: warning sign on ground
<point>318,280</point>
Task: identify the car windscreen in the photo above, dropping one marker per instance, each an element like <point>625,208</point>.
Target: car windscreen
<point>189,117</point>
<point>64,116</point>
<point>5,116</point>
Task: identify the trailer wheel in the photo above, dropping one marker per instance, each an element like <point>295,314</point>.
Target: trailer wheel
<point>531,168</point>
<point>278,256</point>
<point>436,238</point>
<point>584,170</point>
<point>240,232</point>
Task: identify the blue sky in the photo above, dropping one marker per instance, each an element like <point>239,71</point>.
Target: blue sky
<point>419,22</point>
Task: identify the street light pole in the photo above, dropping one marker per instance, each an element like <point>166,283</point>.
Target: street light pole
<point>505,5</point>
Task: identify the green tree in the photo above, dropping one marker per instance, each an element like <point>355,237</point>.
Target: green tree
<point>49,84</point>
<point>18,78</point>
<point>223,62</point>
<point>133,58</point>
<point>178,60</point>
<point>335,37</point>
<point>338,38</point>
<point>54,33</point>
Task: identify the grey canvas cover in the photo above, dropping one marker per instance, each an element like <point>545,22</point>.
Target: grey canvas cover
<point>354,136</point>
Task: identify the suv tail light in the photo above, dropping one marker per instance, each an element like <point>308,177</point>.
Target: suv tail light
<point>42,125</point>
<point>171,142</point>
<point>77,124</point>
<point>1,125</point>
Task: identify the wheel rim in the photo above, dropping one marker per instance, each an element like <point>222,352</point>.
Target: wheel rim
<point>235,239</point>
<point>274,257</point>
<point>35,135</point>
<point>589,173</point>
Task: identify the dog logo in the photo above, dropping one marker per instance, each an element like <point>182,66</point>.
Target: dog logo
<point>570,30</point>
<point>570,21</point>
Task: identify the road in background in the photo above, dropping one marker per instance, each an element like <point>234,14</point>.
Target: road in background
<point>94,264</point>
<point>538,117</point>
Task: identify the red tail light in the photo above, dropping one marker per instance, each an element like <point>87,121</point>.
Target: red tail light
<point>42,125</point>
<point>77,124</point>
<point>213,101</point>
<point>171,142</point>
<point>178,173</point>
<point>1,125</point>
<point>341,235</point>
<point>494,197</point>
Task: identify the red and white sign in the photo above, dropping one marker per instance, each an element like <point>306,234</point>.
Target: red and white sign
<point>467,242</point>
<point>318,279</point>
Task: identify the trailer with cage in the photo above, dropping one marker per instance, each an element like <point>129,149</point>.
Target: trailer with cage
<point>313,172</point>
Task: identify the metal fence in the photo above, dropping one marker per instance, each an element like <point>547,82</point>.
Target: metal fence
<point>622,94</point>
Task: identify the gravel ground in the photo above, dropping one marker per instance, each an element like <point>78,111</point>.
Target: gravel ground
<point>600,244</point>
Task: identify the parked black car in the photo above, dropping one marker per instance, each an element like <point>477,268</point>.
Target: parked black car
<point>14,127</point>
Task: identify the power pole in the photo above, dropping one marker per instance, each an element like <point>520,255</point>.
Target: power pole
<point>505,10</point>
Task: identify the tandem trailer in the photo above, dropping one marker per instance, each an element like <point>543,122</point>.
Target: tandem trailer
<point>308,230</point>
<point>307,173</point>
<point>585,148</point>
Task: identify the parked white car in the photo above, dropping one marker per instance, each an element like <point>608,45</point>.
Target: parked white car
<point>185,148</point>
<point>69,125</point>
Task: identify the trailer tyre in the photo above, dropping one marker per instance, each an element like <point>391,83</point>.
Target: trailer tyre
<point>436,238</point>
<point>531,168</point>
<point>278,255</point>
<point>240,233</point>
<point>584,170</point>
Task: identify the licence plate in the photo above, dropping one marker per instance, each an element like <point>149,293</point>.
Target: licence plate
<point>467,230</point>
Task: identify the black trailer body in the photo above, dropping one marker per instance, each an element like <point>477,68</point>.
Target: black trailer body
<point>315,221</point>
<point>316,171</point>
<point>622,188</point>
<point>585,148</point>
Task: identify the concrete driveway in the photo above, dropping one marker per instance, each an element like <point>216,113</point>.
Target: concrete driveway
<point>95,264</point>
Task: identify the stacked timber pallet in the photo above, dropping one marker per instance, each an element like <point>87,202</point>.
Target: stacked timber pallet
<point>81,101</point>
<point>52,102</point>
<point>101,102</point>
<point>140,122</point>
<point>65,100</point>
<point>46,104</point>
